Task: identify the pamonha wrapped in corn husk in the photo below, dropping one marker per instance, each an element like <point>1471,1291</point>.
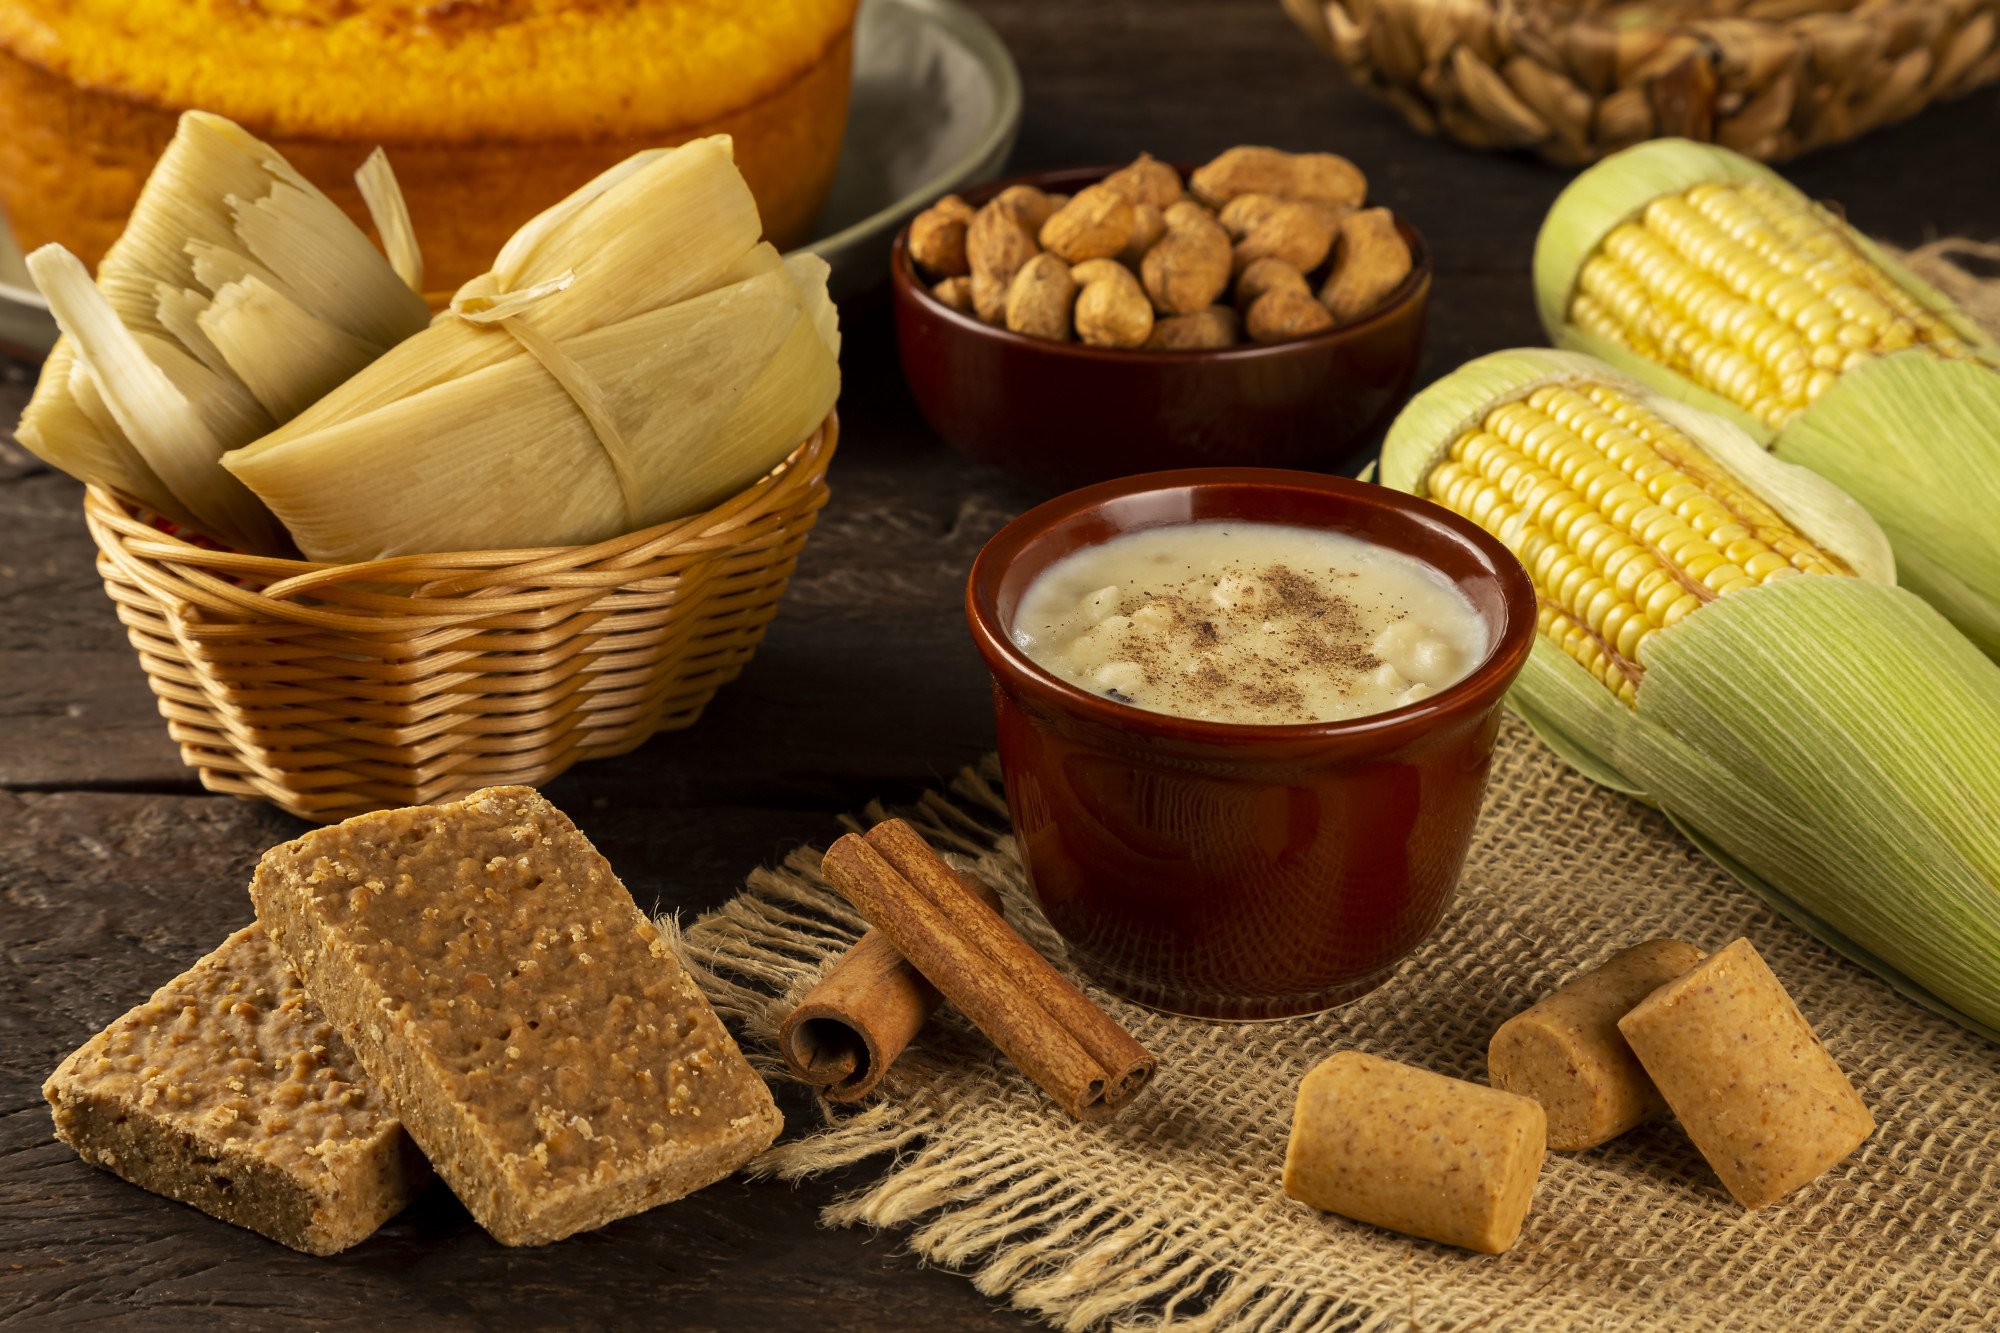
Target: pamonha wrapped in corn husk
<point>1709,277</point>
<point>237,294</point>
<point>247,358</point>
<point>1721,636</point>
<point>636,353</point>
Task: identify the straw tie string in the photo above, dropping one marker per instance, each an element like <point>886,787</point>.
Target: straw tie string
<point>503,310</point>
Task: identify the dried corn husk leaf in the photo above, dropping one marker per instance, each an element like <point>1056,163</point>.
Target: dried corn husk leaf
<point>1832,742</point>
<point>657,228</point>
<point>635,354</point>
<point>282,354</point>
<point>150,412</point>
<point>92,446</point>
<point>390,212</point>
<point>172,411</point>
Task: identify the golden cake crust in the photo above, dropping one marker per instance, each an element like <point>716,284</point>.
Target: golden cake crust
<point>76,152</point>
<point>433,71</point>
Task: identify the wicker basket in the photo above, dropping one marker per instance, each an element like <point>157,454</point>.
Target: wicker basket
<point>330,690</point>
<point>1576,79</point>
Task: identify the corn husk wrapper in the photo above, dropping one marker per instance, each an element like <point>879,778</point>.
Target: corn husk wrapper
<point>1833,742</point>
<point>1911,435</point>
<point>237,294</point>
<point>681,360</point>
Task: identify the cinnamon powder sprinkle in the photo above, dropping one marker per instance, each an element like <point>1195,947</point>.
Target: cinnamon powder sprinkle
<point>1249,623</point>
<point>1305,628</point>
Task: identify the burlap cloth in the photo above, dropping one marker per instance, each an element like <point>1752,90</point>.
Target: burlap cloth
<point>1171,1215</point>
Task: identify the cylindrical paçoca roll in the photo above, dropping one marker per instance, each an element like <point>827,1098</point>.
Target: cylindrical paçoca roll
<point>1743,1072</point>
<point>1414,1151</point>
<point>1566,1052</point>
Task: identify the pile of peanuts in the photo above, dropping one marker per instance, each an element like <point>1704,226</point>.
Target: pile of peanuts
<point>1143,259</point>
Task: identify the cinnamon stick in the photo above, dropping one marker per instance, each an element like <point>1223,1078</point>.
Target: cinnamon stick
<point>1072,1049</point>
<point>1128,1064</point>
<point>851,1026</point>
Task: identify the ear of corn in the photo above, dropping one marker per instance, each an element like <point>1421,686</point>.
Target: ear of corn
<point>1709,277</point>
<point>1720,636</point>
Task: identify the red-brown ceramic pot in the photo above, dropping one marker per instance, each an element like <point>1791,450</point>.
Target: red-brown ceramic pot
<point>1239,871</point>
<point>1063,414</point>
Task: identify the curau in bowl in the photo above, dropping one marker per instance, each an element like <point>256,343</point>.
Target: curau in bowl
<point>1239,870</point>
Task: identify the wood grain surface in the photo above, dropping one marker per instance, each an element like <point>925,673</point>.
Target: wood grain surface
<point>116,870</point>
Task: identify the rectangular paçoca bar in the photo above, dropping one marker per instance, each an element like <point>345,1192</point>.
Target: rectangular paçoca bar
<point>529,1025</point>
<point>229,1091</point>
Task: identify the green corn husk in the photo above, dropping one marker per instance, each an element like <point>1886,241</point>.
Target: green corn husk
<point>237,294</point>
<point>1832,741</point>
<point>1910,433</point>
<point>679,360</point>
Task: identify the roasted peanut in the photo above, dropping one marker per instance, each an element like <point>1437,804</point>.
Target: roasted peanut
<point>1147,181</point>
<point>1240,216</point>
<point>1319,177</point>
<point>937,238</point>
<point>1111,309</point>
<point>1188,268</point>
<point>1279,315</point>
<point>1039,302</point>
<point>1094,225</point>
<point>956,293</point>
<point>1203,330</point>
<point>1030,206</point>
<point>1246,228</point>
<point>1371,260</point>
<point>1148,225</point>
<point>997,244</point>
<point>1301,234</point>
<point>1268,275</point>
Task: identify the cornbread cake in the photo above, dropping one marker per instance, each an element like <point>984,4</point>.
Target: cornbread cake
<point>529,1025</point>
<point>229,1091</point>
<point>491,110</point>
<point>1566,1051</point>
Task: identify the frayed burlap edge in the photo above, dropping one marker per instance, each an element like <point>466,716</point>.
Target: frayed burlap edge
<point>1171,1217</point>
<point>1019,1230</point>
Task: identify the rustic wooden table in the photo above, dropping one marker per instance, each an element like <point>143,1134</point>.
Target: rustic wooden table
<point>117,870</point>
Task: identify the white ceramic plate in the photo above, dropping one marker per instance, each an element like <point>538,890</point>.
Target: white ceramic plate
<point>936,104</point>
<point>25,322</point>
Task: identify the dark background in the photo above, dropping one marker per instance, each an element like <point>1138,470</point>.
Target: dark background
<point>116,870</point>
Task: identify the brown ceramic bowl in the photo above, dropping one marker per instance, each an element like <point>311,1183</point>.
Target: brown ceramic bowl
<point>1063,414</point>
<point>1239,871</point>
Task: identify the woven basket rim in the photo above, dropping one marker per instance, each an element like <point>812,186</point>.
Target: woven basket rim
<point>360,695</point>
<point>414,595</point>
<point>122,520</point>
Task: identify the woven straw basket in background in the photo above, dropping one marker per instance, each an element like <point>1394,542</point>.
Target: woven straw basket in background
<point>330,690</point>
<point>1577,79</point>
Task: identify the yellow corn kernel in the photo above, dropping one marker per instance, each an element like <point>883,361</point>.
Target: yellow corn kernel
<point>1625,524</point>
<point>1751,291</point>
